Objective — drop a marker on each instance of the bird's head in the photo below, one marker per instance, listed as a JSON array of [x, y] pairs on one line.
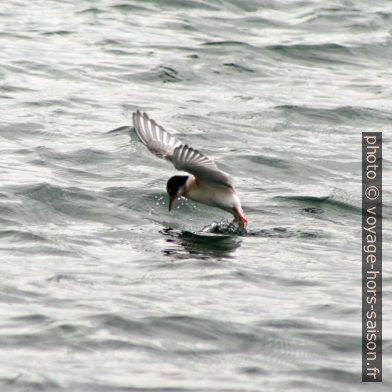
[[175, 188]]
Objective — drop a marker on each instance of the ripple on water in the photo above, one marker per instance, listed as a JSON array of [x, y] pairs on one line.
[[323, 53], [342, 114], [202, 245], [186, 335], [164, 74], [50, 202], [83, 156], [321, 202]]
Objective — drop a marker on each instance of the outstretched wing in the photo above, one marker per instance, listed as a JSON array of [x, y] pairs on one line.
[[154, 137], [184, 158], [188, 159]]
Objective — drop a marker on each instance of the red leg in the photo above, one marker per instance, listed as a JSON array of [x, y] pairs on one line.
[[239, 216]]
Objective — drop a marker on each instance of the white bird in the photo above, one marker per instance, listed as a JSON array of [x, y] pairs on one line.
[[205, 183]]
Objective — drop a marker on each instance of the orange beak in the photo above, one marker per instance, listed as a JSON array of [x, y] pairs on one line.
[[171, 202]]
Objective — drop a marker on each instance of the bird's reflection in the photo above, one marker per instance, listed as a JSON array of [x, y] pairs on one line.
[[182, 244]]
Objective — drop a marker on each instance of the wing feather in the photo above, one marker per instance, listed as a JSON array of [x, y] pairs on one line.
[[154, 137], [186, 158]]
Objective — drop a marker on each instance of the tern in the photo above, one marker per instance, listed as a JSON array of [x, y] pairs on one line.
[[205, 183]]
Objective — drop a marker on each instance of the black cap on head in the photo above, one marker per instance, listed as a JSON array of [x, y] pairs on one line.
[[174, 183]]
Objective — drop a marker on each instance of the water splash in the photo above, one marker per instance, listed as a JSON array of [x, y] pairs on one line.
[[224, 227]]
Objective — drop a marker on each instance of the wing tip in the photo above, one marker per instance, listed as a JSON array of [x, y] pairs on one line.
[[141, 115], [135, 116], [138, 113]]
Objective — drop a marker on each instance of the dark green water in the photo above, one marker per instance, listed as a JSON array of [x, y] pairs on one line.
[[102, 289]]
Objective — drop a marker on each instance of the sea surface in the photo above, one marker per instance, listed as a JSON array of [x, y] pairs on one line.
[[101, 288]]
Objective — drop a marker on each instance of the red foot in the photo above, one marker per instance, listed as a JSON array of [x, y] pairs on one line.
[[239, 216]]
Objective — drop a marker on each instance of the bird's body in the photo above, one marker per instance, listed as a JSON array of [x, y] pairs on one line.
[[220, 196], [205, 183]]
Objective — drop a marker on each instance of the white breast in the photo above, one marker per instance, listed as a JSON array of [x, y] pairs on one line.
[[219, 196]]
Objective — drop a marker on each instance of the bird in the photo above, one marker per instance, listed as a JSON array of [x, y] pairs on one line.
[[203, 183]]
